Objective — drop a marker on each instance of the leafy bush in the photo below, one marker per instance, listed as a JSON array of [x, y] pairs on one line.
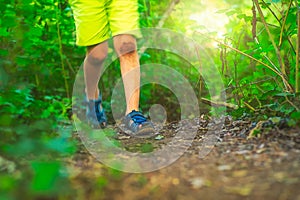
[[35, 135]]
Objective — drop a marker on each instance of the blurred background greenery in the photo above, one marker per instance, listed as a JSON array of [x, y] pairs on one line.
[[254, 44]]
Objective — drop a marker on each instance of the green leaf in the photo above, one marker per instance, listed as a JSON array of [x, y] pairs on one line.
[[159, 137], [4, 33], [9, 21], [6, 119], [45, 175], [102, 182], [35, 32], [146, 148], [3, 52], [296, 116], [23, 61]]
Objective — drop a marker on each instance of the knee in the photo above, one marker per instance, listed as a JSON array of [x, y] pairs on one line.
[[96, 56], [126, 48], [125, 44]]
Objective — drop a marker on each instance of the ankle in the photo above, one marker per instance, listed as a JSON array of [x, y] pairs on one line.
[[91, 96], [130, 110]]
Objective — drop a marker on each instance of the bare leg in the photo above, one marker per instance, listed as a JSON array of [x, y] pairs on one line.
[[125, 46], [92, 67]]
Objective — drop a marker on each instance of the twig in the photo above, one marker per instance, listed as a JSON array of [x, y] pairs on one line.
[[249, 106], [292, 104], [284, 22], [37, 81], [259, 102], [219, 104], [222, 60], [254, 21], [200, 69], [265, 56], [253, 83], [265, 4], [275, 6], [61, 49], [70, 66]]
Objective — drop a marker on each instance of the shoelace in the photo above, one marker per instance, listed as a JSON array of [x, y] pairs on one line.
[[137, 117]]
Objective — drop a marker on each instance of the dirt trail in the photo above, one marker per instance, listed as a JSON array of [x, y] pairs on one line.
[[267, 167]]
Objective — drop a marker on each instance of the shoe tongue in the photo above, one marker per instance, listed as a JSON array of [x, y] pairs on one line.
[[134, 113], [138, 117]]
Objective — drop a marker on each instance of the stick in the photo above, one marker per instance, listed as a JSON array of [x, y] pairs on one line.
[[284, 22], [219, 104]]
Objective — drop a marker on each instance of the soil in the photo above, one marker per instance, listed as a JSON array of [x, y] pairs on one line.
[[241, 165]]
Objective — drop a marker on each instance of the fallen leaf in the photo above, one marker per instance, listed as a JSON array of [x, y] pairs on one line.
[[197, 182], [242, 190], [159, 137], [240, 173], [175, 181], [224, 167]]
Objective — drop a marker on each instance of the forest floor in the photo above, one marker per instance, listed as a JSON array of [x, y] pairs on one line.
[[238, 166]]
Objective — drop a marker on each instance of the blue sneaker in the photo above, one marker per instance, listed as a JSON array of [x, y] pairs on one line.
[[95, 113], [138, 124]]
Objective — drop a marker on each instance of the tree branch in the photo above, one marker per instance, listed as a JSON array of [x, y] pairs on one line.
[[167, 13], [284, 22]]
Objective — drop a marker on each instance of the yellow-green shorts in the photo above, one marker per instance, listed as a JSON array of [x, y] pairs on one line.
[[98, 20]]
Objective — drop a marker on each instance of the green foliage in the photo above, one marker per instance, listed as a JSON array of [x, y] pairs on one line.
[[257, 57], [34, 124], [45, 176], [33, 131], [34, 38], [151, 11], [39, 61]]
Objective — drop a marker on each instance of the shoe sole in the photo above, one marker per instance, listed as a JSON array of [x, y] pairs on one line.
[[144, 132], [101, 125]]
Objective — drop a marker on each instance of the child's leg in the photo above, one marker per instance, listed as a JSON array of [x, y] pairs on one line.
[[92, 66], [125, 46]]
